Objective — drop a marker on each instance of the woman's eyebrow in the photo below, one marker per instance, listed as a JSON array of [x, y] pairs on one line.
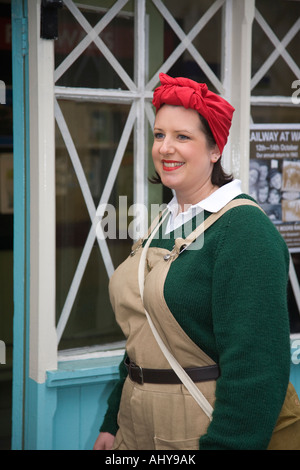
[[185, 131], [176, 131]]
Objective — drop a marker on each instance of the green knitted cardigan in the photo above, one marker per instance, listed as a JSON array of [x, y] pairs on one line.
[[230, 297]]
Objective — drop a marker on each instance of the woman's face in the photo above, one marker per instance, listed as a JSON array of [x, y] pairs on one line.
[[180, 151]]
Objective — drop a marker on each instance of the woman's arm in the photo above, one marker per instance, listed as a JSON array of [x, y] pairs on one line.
[[251, 327], [109, 424]]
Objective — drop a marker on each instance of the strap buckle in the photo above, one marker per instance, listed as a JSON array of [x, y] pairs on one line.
[[135, 372]]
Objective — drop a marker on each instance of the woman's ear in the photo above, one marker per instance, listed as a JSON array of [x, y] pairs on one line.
[[215, 154]]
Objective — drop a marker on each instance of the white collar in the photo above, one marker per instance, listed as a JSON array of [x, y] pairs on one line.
[[213, 203]]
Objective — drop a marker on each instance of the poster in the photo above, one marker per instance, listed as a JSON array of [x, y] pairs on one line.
[[274, 176]]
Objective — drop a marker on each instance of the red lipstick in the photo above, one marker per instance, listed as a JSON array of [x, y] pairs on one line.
[[171, 165]]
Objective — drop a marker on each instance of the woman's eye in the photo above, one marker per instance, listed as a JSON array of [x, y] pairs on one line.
[[183, 137], [158, 135]]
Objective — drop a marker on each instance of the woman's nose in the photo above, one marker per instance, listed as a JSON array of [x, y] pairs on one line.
[[166, 147]]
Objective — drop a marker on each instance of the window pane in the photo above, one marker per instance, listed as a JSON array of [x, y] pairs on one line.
[[91, 68], [279, 18], [96, 130], [187, 14], [275, 114]]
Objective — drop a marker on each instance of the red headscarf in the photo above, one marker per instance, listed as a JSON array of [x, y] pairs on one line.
[[190, 94]]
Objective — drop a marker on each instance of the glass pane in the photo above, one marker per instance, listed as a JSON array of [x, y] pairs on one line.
[[92, 320], [275, 114], [280, 17], [187, 14], [96, 130], [91, 68]]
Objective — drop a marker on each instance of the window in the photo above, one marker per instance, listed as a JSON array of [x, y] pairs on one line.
[[107, 60], [275, 75]]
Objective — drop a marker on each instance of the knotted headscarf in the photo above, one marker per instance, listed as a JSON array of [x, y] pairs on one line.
[[190, 94]]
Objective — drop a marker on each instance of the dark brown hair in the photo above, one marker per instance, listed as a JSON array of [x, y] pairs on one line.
[[218, 176]]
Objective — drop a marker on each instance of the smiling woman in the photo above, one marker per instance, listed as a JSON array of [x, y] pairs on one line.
[[208, 301]]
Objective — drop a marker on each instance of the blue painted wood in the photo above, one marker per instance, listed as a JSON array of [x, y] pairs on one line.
[[41, 406], [83, 371], [83, 388], [67, 410], [20, 143], [67, 419], [92, 417], [80, 411]]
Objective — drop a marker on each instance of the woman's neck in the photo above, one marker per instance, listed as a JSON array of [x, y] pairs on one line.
[[185, 199]]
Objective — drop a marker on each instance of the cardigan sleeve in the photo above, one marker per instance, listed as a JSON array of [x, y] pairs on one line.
[[109, 423], [251, 327]]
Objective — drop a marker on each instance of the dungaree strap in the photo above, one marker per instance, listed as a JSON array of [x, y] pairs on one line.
[[212, 219]]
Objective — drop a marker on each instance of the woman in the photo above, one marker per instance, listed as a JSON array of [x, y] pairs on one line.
[[219, 307]]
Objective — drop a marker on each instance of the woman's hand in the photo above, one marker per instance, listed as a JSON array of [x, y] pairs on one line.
[[104, 441]]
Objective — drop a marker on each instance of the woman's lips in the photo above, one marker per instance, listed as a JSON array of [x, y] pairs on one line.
[[171, 165]]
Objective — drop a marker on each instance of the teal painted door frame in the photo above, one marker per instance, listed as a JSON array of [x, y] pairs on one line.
[[21, 212]]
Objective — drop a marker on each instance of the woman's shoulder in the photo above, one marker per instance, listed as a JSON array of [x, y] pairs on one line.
[[242, 211], [245, 198], [252, 225], [249, 210]]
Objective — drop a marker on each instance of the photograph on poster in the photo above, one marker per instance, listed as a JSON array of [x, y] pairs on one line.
[[274, 176]]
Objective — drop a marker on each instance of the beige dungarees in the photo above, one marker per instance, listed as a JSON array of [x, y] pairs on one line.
[[155, 416]]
